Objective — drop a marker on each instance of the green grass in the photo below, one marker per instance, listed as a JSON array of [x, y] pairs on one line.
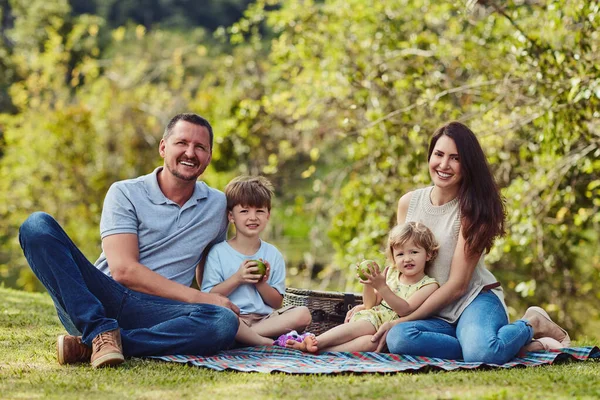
[[28, 370]]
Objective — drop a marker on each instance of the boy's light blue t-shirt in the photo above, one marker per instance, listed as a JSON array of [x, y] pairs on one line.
[[223, 261], [171, 238]]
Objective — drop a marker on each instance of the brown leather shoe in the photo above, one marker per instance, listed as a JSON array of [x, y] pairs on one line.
[[543, 326], [107, 349], [70, 350]]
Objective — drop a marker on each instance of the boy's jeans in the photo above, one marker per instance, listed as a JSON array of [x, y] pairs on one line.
[[88, 302], [481, 334]]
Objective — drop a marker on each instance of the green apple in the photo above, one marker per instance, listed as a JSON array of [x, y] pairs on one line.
[[363, 268], [262, 268]]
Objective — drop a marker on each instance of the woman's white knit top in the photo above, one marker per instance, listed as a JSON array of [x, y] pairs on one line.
[[444, 222]]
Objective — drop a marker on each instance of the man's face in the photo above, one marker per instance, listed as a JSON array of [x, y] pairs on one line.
[[186, 151]]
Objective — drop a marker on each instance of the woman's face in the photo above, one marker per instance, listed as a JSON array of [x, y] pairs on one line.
[[444, 164]]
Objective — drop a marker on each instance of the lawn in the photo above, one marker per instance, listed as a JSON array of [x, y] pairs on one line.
[[28, 370]]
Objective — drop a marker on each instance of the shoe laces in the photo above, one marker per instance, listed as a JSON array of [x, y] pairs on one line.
[[105, 339]]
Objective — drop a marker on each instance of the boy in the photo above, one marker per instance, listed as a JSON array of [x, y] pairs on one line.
[[232, 269]]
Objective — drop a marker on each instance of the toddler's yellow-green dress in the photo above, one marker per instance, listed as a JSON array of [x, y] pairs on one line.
[[383, 313]]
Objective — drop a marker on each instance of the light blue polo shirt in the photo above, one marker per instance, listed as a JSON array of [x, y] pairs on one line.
[[223, 261], [171, 238]]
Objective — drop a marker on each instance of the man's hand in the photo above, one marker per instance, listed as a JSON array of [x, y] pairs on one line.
[[246, 274], [218, 300], [353, 311]]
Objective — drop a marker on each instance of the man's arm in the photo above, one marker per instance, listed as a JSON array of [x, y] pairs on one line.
[[122, 255]]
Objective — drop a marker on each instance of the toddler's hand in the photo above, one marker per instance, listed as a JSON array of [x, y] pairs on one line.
[[353, 311], [377, 278], [374, 276]]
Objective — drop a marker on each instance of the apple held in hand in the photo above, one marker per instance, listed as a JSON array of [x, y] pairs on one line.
[[262, 268], [363, 268]]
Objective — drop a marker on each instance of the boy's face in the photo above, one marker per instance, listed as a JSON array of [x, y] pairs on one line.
[[410, 259], [249, 221]]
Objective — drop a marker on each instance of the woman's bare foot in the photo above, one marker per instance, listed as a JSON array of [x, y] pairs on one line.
[[308, 345]]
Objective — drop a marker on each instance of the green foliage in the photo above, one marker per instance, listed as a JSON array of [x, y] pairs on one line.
[[367, 84], [84, 122], [174, 14]]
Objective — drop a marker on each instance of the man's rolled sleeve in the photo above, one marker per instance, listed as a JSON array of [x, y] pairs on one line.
[[213, 272], [118, 214]]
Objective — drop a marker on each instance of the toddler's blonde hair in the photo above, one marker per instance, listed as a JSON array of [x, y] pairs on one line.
[[420, 234]]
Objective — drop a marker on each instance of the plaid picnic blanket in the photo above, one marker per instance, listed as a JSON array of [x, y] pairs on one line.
[[280, 359]]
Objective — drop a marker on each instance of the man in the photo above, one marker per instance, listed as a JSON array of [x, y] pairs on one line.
[[137, 300]]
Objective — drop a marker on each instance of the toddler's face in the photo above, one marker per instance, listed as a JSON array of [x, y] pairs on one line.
[[410, 259]]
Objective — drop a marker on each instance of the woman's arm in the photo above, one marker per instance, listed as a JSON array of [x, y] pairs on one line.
[[461, 271], [404, 307], [403, 204]]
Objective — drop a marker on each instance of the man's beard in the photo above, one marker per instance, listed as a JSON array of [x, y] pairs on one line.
[[179, 175]]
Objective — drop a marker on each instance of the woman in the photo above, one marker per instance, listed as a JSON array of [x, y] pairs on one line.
[[466, 318]]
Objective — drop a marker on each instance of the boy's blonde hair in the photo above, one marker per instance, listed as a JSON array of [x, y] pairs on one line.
[[420, 234], [249, 191]]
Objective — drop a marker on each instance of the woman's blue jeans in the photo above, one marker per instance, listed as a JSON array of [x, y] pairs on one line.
[[481, 334], [88, 302]]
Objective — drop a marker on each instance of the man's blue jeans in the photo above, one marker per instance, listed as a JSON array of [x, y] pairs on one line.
[[481, 334], [89, 302]]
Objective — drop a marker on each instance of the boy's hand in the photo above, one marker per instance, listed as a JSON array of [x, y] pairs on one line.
[[246, 273], [265, 278], [375, 277], [267, 271]]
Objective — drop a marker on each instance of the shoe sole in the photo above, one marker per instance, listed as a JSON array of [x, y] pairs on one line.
[[566, 341], [60, 349], [108, 360]]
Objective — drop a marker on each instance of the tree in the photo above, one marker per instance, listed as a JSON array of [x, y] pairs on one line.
[[366, 84]]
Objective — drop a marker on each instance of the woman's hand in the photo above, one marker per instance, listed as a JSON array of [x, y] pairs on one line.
[[353, 311], [380, 336]]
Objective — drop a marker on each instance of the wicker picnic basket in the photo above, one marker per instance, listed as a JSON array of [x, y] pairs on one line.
[[328, 309]]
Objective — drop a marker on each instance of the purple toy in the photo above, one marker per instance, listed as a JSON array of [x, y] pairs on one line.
[[292, 335]]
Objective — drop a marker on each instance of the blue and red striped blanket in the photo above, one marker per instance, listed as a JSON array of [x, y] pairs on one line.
[[279, 359]]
